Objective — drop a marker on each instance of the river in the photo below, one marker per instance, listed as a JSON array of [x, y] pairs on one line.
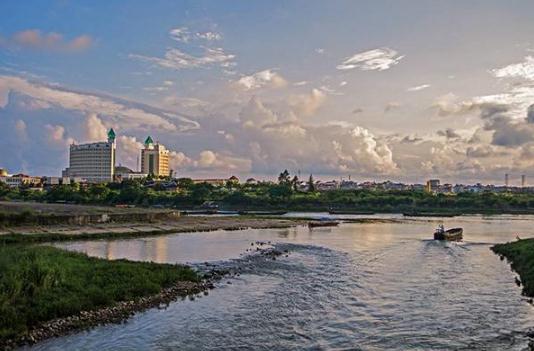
[[359, 286]]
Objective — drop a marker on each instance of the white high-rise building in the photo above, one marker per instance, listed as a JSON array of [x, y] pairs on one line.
[[93, 162], [155, 159]]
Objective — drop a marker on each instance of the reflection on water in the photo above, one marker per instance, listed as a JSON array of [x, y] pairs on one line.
[[369, 286]]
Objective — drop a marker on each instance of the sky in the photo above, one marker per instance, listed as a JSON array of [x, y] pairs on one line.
[[376, 90]]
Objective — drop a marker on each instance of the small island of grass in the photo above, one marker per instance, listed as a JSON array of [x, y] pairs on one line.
[[45, 291]]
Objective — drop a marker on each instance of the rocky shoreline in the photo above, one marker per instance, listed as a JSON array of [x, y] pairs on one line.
[[113, 314], [122, 311]]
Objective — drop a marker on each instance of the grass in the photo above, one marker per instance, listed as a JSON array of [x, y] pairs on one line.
[[520, 254], [40, 283]]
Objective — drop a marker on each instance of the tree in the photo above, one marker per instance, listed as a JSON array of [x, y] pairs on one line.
[[311, 184], [295, 183], [185, 183], [284, 178]]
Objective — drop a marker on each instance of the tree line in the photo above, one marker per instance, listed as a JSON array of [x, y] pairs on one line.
[[284, 194]]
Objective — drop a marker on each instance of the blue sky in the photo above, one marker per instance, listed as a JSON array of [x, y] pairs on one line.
[[377, 89]]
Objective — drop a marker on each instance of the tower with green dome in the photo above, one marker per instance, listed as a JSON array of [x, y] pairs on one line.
[[111, 135]]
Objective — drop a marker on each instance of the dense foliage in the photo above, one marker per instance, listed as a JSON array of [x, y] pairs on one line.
[[40, 283], [183, 193], [521, 256]]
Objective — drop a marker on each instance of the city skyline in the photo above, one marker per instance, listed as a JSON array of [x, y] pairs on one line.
[[405, 92]]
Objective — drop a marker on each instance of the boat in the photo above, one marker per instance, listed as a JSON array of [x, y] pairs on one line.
[[323, 222], [262, 213], [199, 212], [454, 234], [350, 212]]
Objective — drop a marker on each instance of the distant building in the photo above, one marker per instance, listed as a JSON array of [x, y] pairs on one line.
[[155, 159], [326, 186], [217, 181], [125, 173], [3, 172], [18, 180], [432, 185], [94, 162]]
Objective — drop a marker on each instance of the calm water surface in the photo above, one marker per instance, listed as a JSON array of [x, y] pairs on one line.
[[372, 286]]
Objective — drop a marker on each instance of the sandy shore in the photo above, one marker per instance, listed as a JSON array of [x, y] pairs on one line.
[[125, 230]]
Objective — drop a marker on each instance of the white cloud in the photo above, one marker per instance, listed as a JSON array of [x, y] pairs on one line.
[[377, 59], [210, 160], [320, 51], [176, 59], [180, 34], [265, 78], [57, 136], [133, 115], [418, 87], [128, 151], [307, 104], [209, 36], [95, 130], [184, 35], [523, 70]]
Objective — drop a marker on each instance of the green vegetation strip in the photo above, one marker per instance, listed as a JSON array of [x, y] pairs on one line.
[[40, 283], [520, 254], [284, 196]]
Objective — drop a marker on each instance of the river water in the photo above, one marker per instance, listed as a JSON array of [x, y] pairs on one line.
[[359, 286]]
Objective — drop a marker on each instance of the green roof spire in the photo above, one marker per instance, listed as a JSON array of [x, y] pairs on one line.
[[111, 134], [149, 140]]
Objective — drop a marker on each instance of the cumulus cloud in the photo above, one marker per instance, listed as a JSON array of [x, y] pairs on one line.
[[35, 39], [56, 135], [448, 133], [265, 78], [128, 151], [255, 114], [418, 87], [274, 141], [450, 104], [373, 60], [95, 130], [524, 70], [307, 104]]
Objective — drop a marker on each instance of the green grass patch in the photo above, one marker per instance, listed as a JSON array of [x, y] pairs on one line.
[[40, 283], [520, 254]]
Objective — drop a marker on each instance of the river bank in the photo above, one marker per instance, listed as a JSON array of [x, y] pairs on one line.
[[520, 254], [47, 291], [92, 291]]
